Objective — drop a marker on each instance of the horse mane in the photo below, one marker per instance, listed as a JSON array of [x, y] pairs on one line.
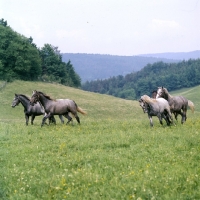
[[147, 99], [24, 96], [47, 96], [166, 91]]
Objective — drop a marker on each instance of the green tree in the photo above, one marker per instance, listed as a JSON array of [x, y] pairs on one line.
[[53, 69], [19, 59], [170, 75]]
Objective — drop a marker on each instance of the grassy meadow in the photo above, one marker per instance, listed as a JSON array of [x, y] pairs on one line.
[[113, 154]]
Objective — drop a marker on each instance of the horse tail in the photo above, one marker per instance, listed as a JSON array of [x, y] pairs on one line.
[[191, 105], [81, 111]]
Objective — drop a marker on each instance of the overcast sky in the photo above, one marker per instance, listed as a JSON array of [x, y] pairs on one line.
[[116, 27]]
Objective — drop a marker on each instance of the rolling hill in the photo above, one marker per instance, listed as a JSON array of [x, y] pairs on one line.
[[98, 106], [97, 66]]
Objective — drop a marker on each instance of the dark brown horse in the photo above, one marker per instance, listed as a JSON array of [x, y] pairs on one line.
[[178, 104]]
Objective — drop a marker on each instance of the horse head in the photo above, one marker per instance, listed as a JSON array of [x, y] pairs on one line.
[[160, 92], [163, 92], [143, 105], [16, 101], [34, 98]]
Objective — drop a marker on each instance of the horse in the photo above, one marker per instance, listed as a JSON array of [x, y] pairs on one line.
[[154, 94], [56, 107], [30, 110], [178, 104], [156, 107]]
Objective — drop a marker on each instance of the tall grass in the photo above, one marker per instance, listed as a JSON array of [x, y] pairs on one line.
[[113, 154]]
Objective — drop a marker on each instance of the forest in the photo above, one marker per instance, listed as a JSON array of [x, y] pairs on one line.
[[173, 76], [21, 59]]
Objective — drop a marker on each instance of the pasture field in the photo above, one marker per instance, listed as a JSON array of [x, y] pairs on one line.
[[113, 154]]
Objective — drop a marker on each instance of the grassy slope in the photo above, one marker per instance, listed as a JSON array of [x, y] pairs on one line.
[[98, 106], [114, 154]]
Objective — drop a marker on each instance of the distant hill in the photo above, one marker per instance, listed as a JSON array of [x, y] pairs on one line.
[[173, 76], [96, 66], [175, 56]]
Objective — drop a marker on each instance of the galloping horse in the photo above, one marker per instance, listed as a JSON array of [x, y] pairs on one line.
[[154, 94], [178, 104], [156, 107], [56, 107], [30, 110]]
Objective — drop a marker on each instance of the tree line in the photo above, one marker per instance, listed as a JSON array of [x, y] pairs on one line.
[[21, 59], [173, 76]]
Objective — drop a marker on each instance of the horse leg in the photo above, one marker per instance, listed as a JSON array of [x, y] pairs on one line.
[[151, 121], [77, 118], [52, 120], [68, 117], [45, 117], [184, 117], [170, 117], [61, 119], [32, 119], [27, 119], [166, 117], [176, 115], [160, 118]]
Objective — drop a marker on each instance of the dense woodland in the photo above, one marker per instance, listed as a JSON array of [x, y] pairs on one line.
[[21, 59], [173, 76]]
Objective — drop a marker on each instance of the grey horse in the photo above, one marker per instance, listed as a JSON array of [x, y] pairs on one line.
[[156, 107], [29, 110], [56, 107], [178, 104]]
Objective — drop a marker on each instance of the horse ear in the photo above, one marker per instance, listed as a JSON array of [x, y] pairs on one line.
[[162, 87], [16, 95]]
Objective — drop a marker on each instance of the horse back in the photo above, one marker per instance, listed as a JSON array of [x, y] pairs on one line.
[[61, 106], [158, 106], [179, 102]]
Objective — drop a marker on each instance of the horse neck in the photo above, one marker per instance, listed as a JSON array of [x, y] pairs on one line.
[[25, 102], [44, 100], [167, 96]]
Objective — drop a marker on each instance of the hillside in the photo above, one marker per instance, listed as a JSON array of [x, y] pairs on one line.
[[98, 106], [96, 66], [174, 76]]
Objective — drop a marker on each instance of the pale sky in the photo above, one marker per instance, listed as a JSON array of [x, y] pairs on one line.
[[116, 27]]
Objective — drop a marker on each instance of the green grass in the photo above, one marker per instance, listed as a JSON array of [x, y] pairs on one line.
[[113, 154]]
